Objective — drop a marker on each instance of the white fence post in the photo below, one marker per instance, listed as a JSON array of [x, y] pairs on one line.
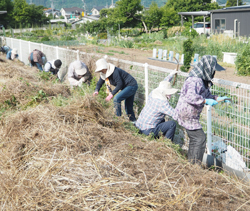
[[209, 130], [42, 47], [154, 53], [160, 54], [146, 81], [29, 47], [78, 55], [20, 55], [182, 59], [57, 53]]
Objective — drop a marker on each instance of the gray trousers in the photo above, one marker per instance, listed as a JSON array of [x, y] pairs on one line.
[[197, 145]]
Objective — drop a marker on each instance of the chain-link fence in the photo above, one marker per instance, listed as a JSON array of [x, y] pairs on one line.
[[230, 122]]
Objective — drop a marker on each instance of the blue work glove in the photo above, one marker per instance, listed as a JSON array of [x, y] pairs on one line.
[[211, 102], [222, 98]]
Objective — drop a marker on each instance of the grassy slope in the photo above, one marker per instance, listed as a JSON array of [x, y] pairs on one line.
[[67, 151]]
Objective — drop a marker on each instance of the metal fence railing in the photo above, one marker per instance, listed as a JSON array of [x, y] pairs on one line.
[[230, 122]]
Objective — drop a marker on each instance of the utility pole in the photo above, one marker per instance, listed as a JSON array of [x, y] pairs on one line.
[[52, 7], [84, 7], [31, 2]]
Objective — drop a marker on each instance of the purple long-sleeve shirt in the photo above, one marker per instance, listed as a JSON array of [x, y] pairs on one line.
[[191, 103]]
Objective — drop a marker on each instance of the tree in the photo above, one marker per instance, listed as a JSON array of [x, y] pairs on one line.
[[28, 14], [172, 7], [169, 17], [151, 18], [6, 5], [126, 11], [231, 3]]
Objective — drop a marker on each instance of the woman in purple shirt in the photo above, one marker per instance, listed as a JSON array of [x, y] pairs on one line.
[[195, 94]]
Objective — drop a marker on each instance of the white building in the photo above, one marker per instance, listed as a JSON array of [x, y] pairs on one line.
[[96, 10], [56, 13], [85, 19], [71, 12]]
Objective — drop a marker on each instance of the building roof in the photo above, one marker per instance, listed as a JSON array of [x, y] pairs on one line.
[[91, 17], [98, 8], [233, 9], [73, 9], [195, 13], [50, 11]]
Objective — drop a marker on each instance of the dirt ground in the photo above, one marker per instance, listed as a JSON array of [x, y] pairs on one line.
[[142, 56]]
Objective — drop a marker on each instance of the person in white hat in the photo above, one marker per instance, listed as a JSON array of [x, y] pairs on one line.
[[4, 49], [78, 73], [152, 117], [123, 82], [12, 54]]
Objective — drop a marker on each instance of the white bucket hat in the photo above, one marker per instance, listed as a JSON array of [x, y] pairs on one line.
[[80, 68], [163, 89], [102, 64], [13, 53]]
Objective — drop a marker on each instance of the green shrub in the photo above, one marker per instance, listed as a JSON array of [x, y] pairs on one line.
[[188, 52], [189, 32], [102, 35], [126, 44], [66, 37], [125, 32], [243, 62], [45, 38], [165, 33], [135, 32]]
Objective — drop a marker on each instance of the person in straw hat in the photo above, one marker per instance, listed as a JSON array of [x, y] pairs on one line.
[[194, 95], [12, 54], [4, 49], [78, 73], [123, 82], [152, 117]]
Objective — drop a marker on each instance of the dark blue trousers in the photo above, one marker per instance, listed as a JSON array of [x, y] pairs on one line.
[[127, 94], [165, 128]]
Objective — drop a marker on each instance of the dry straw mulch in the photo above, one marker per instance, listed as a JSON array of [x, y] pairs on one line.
[[79, 157], [20, 85]]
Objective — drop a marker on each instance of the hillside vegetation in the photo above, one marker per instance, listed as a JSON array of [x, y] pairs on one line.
[[64, 149], [89, 3]]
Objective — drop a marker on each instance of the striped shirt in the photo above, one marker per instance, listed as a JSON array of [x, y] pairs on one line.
[[153, 113]]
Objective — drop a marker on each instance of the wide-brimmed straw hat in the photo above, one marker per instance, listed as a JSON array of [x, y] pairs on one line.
[[163, 90], [102, 64], [14, 51], [80, 68]]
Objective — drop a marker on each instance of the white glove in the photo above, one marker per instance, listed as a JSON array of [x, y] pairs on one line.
[[173, 72], [82, 80]]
